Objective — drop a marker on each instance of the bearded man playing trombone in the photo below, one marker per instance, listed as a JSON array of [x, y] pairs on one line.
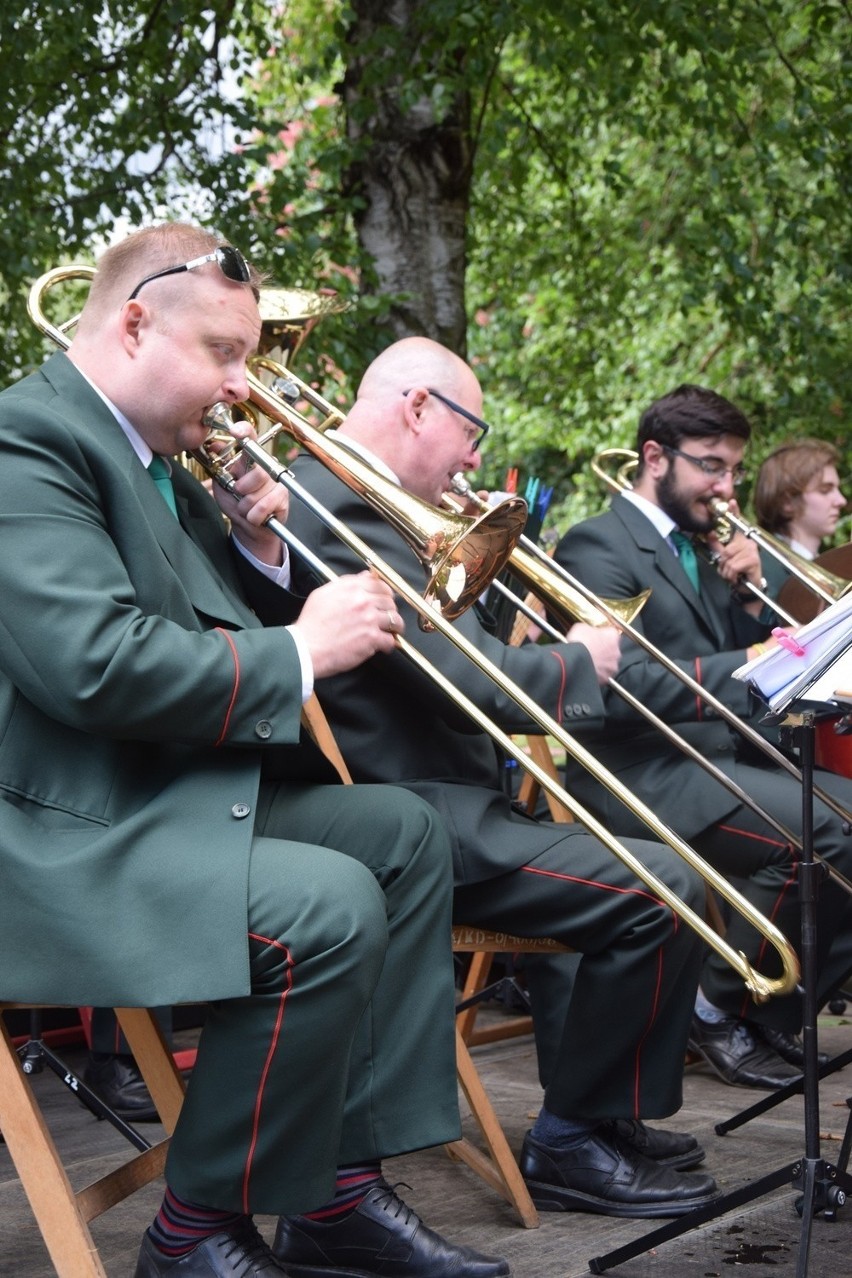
[[417, 419], [660, 535]]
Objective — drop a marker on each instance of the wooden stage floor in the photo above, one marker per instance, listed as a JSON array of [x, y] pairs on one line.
[[760, 1240]]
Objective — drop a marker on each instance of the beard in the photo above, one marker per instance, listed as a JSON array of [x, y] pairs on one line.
[[670, 500]]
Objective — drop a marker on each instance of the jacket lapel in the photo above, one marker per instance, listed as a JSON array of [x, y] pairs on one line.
[[660, 559], [204, 569]]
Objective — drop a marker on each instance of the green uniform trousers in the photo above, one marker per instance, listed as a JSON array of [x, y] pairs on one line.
[[344, 1050]]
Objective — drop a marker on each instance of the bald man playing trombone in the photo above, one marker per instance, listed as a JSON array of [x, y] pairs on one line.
[[417, 419]]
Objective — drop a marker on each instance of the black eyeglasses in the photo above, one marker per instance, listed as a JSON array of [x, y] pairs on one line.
[[474, 437], [713, 469], [231, 263]]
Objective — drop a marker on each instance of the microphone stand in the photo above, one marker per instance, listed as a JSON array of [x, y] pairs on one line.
[[824, 1187]]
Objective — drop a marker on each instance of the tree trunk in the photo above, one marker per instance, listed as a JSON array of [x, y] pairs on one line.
[[412, 171]]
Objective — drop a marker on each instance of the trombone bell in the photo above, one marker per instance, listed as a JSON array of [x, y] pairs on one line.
[[287, 317]]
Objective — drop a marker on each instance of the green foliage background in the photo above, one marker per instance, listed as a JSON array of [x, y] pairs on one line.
[[661, 190]]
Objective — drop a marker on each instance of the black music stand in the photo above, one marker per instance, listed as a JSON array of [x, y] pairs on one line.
[[824, 1186], [34, 1055]]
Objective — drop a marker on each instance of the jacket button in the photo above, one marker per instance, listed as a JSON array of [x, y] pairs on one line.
[[263, 729], [240, 810], [568, 712]]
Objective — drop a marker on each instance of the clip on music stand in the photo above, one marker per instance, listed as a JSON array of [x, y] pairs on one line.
[[824, 1186]]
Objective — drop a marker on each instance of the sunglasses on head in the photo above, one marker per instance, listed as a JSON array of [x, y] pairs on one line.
[[230, 261]]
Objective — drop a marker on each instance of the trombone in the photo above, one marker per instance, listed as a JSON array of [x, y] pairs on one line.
[[745, 729], [329, 453], [460, 554], [827, 586], [565, 595]]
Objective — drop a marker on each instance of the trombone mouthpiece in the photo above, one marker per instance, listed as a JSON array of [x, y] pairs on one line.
[[219, 417], [460, 486]]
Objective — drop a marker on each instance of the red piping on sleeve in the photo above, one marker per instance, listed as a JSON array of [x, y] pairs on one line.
[[227, 720], [562, 685], [699, 704]]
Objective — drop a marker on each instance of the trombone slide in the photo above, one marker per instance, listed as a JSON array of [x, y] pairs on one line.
[[759, 986]]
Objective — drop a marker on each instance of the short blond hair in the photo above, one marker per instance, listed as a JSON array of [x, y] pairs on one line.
[[144, 252]]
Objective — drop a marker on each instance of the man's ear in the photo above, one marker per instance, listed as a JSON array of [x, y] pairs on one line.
[[652, 454], [413, 405], [132, 323]]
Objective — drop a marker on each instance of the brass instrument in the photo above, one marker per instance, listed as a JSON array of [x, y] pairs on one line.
[[628, 460], [801, 602], [827, 586], [288, 315], [553, 585], [363, 480], [460, 554], [617, 484]]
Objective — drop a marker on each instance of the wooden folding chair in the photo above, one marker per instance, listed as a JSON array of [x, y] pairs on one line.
[[62, 1213], [481, 961], [498, 1166]]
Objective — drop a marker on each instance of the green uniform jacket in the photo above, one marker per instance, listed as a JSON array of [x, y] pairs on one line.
[[618, 554], [139, 695], [393, 723]]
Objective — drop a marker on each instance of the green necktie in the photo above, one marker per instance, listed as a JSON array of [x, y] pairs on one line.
[[158, 469], [688, 560]]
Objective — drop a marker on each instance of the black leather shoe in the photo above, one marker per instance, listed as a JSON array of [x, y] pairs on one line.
[[240, 1253], [671, 1149], [788, 1046], [605, 1176], [730, 1048], [120, 1085], [381, 1236]]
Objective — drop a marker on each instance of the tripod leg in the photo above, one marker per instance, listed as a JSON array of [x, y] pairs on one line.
[[34, 1055], [807, 1212], [843, 1157]]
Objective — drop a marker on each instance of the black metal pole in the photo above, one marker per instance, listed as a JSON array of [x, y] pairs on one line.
[[824, 1187]]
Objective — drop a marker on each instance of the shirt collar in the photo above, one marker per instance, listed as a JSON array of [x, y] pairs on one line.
[[663, 523], [799, 549], [137, 443], [364, 453]]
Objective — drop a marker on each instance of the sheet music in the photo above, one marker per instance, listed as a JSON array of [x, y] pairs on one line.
[[836, 679], [814, 665]]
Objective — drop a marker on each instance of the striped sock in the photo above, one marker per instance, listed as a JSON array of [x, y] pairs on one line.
[[180, 1226], [354, 1182]]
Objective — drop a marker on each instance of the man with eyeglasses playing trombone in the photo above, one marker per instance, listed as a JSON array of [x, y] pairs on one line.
[[660, 533], [166, 833], [417, 420]]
